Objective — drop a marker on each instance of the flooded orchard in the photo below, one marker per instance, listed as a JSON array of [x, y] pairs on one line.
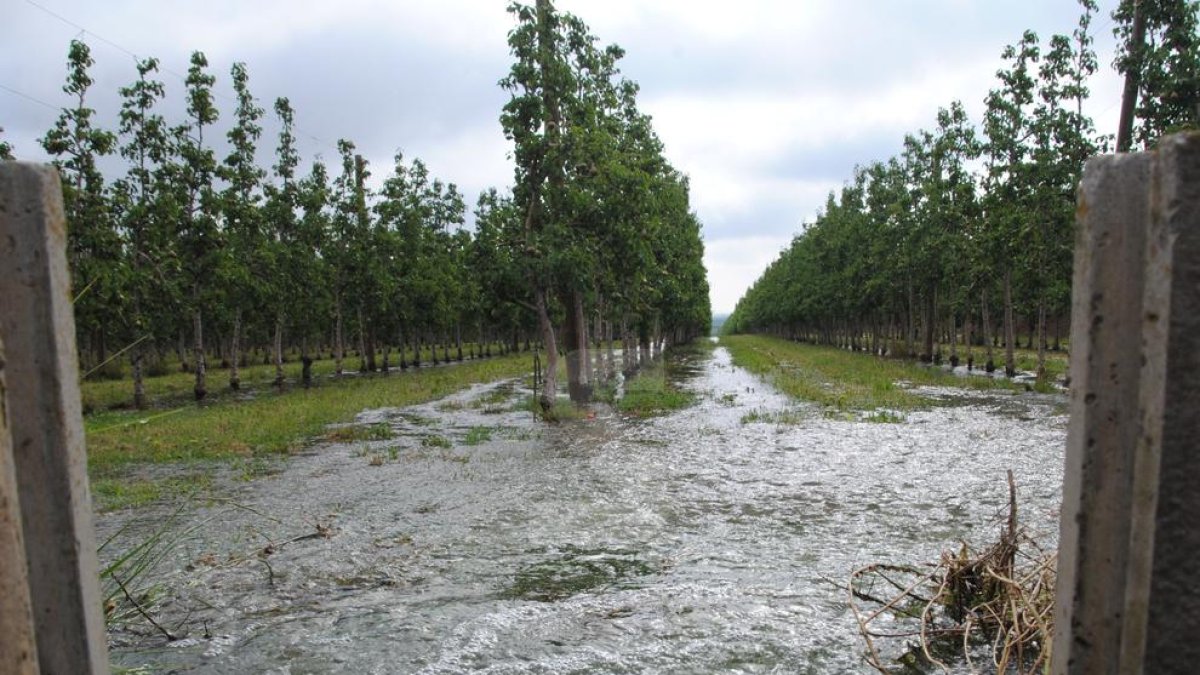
[[469, 537]]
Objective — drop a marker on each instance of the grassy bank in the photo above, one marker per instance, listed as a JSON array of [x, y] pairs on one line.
[[843, 380], [249, 430]]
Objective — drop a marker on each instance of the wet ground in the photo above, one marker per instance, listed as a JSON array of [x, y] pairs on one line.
[[712, 539]]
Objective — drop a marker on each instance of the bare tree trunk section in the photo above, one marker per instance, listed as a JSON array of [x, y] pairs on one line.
[[235, 346], [339, 344], [279, 378], [136, 359], [953, 340], [969, 339], [1133, 80], [990, 364], [1010, 329], [200, 390], [576, 339], [550, 373], [305, 364], [1041, 340]]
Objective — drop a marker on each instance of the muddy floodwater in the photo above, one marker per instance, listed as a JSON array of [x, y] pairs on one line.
[[712, 539]]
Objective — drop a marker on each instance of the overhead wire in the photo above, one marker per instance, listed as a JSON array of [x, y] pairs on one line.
[[323, 143]]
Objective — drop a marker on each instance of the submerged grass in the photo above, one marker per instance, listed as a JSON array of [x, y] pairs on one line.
[[477, 435], [651, 392], [269, 424], [843, 380]]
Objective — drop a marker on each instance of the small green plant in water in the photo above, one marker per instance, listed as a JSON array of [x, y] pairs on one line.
[[436, 441], [755, 415], [477, 435], [250, 468], [359, 432]]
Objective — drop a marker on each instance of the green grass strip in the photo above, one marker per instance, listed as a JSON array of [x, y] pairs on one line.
[[843, 380], [272, 423]]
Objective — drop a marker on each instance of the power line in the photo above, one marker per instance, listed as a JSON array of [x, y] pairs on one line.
[[182, 78], [30, 98], [82, 29]]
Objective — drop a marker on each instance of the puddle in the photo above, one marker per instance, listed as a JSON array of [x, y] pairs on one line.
[[694, 541]]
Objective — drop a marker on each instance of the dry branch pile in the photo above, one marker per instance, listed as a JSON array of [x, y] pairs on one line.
[[995, 604]]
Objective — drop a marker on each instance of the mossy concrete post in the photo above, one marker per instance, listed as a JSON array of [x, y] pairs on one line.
[[37, 328], [1127, 599]]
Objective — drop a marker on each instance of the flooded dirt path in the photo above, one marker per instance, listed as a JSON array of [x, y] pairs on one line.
[[474, 540]]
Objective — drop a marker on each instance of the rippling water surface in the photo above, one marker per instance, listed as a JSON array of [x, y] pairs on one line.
[[713, 539]]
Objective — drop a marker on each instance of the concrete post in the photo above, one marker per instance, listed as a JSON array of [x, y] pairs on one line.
[[1127, 599], [1105, 340], [1162, 593], [38, 330], [18, 651]]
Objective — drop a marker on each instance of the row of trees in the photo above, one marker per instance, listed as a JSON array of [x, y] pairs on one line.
[[185, 245], [602, 219], [918, 250]]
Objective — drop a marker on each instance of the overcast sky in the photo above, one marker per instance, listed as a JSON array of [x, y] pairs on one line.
[[766, 105]]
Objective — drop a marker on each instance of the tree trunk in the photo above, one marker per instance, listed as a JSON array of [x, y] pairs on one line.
[[279, 351], [1010, 330], [305, 364], [1136, 46], [362, 341], [575, 339], [139, 381], [910, 327], [458, 340], [235, 346], [181, 352], [200, 390], [401, 346], [550, 375], [990, 365], [371, 348], [611, 359], [930, 324], [953, 340], [969, 339], [339, 344], [1041, 341]]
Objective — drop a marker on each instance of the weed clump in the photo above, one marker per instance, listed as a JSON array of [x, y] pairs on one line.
[[998, 602]]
